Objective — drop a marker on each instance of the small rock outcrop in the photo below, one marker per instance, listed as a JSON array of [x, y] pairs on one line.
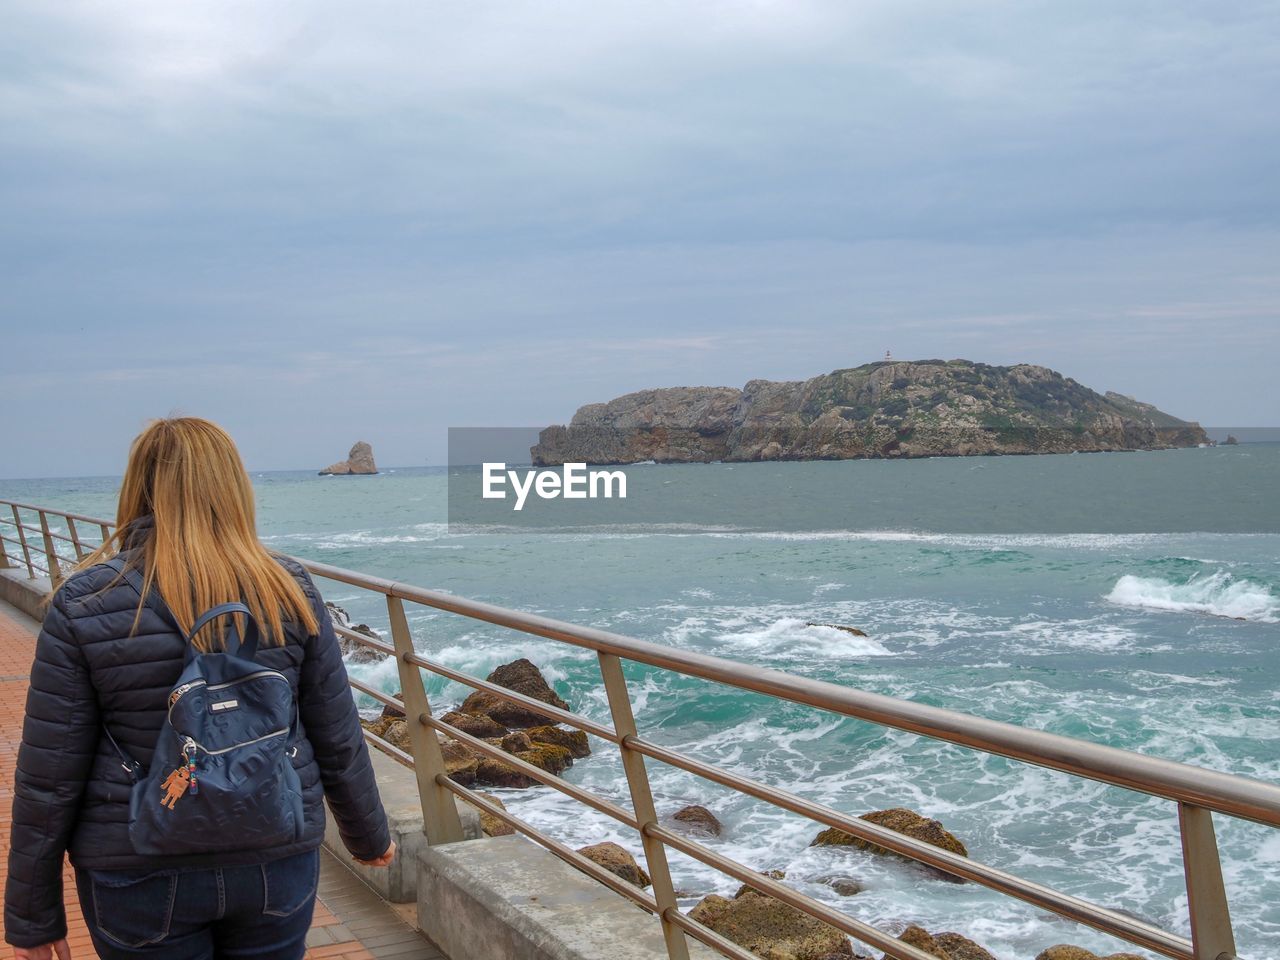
[[697, 819], [1231, 441], [575, 741], [960, 947], [944, 946], [845, 886], [353, 651], [899, 819], [547, 746], [617, 861], [359, 462], [770, 928], [490, 825], [1064, 951], [747, 888], [522, 677], [835, 626], [921, 939], [481, 727]]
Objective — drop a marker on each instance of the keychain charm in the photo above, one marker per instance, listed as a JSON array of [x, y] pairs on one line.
[[175, 785]]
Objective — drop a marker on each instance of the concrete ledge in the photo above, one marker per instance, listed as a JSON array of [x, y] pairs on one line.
[[505, 898], [397, 882], [19, 590]]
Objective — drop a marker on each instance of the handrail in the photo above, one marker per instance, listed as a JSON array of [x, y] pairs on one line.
[[1196, 791], [1223, 792]]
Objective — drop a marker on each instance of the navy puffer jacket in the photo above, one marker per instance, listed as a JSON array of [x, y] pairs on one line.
[[71, 791]]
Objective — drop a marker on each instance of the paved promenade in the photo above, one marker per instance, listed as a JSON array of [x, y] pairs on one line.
[[351, 922]]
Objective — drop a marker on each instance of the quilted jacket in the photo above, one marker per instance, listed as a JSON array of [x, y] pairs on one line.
[[71, 792]]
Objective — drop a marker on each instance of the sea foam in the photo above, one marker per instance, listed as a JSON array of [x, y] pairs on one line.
[[1219, 594]]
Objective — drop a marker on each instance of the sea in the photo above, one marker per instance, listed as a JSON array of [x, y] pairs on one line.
[[1127, 599]]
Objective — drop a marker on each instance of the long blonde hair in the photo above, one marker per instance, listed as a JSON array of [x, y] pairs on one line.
[[203, 548]]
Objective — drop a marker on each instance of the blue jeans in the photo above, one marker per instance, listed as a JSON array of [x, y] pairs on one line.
[[259, 910]]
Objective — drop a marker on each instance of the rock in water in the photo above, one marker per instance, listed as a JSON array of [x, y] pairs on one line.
[[352, 650], [853, 631], [359, 462], [1064, 951], [481, 727], [522, 677], [887, 409], [771, 928], [490, 825], [907, 822], [696, 818], [920, 938], [617, 861], [960, 947]]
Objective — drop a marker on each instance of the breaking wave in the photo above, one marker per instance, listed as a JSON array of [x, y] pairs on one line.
[[1219, 594]]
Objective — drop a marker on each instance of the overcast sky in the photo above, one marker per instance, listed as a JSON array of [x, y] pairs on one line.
[[319, 222]]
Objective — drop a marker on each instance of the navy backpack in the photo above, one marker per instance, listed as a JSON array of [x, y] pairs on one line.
[[222, 775]]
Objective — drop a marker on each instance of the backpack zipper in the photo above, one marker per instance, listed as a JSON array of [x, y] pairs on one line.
[[190, 744], [190, 685]]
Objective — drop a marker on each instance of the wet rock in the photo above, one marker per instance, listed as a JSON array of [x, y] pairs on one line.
[[495, 773], [617, 861], [393, 712], [697, 819], [959, 947], [772, 929], [1064, 951], [516, 742], [575, 741], [921, 939], [747, 888], [460, 764], [835, 626], [845, 886], [899, 819], [491, 825], [544, 756], [481, 727], [522, 677], [352, 651]]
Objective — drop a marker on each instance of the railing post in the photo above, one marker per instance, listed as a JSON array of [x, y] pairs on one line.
[[22, 539], [75, 537], [655, 853], [50, 553], [440, 819], [1211, 934]]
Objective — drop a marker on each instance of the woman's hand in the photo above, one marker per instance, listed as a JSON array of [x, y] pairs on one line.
[[49, 951], [381, 861]]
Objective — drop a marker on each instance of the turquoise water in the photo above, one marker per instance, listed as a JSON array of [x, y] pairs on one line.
[[1131, 600]]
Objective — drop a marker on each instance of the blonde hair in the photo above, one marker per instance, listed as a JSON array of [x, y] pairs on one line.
[[203, 548]]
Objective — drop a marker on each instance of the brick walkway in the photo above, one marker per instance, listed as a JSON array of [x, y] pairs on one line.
[[351, 922]]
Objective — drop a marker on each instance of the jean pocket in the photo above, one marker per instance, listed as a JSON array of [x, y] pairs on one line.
[[290, 883], [133, 907]]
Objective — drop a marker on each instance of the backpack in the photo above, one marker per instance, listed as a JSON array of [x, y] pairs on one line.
[[222, 776]]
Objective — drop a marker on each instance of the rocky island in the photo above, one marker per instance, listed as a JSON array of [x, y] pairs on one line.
[[359, 462], [924, 408]]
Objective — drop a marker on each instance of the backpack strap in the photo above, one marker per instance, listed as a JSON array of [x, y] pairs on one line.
[[248, 647]]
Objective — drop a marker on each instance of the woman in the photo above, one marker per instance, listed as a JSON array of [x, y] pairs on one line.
[[105, 663]]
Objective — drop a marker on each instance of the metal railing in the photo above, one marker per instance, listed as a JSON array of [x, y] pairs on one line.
[[1198, 793]]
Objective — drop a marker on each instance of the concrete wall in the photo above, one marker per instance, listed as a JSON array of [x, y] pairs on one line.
[[505, 898], [25, 594], [399, 790]]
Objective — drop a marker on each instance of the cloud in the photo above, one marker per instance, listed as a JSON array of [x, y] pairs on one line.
[[437, 206]]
